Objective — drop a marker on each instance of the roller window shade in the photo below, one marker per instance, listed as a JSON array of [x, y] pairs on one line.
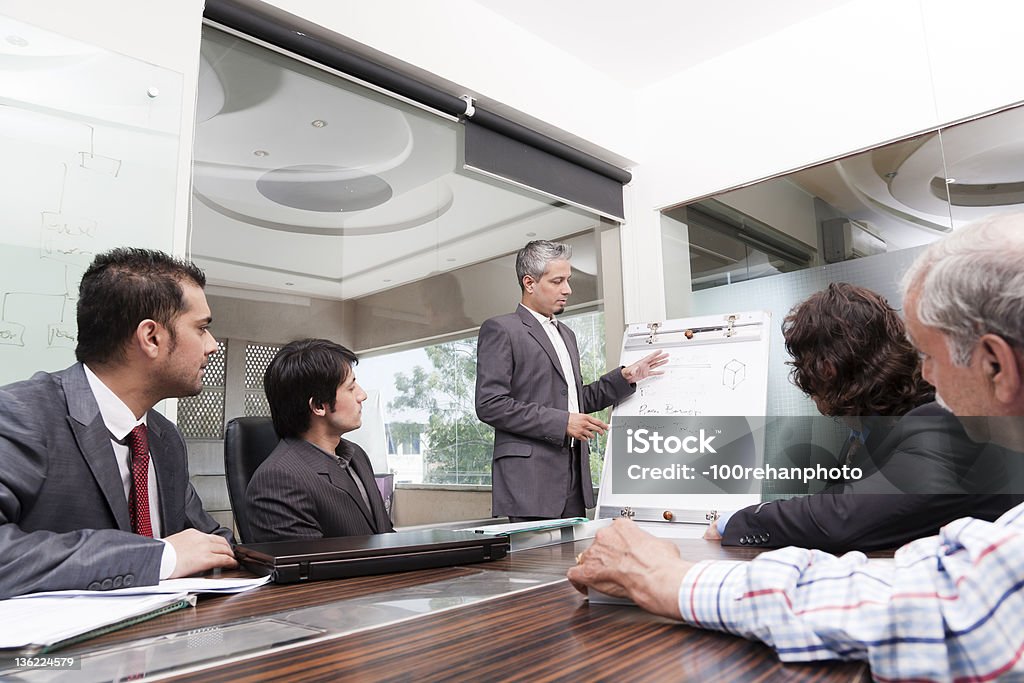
[[498, 155]]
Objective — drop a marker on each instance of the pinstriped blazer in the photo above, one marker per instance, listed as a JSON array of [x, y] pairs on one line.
[[301, 492]]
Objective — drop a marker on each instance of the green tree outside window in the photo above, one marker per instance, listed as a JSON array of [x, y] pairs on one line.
[[457, 446]]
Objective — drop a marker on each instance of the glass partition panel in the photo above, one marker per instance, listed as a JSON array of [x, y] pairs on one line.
[[90, 161], [985, 166], [861, 219], [309, 184], [324, 208], [883, 200]]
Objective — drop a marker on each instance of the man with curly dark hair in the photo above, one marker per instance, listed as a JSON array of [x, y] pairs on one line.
[[851, 356]]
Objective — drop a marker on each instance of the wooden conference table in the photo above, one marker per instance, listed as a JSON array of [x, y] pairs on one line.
[[548, 632]]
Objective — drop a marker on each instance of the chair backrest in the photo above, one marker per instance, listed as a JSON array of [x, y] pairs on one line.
[[248, 441]]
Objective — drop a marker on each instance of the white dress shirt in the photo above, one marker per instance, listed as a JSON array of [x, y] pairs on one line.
[[550, 327], [120, 420]]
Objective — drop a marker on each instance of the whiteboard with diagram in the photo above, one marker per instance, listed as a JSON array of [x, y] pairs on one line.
[[91, 146], [717, 368]]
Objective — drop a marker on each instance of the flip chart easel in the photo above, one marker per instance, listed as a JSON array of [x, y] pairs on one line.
[[718, 367]]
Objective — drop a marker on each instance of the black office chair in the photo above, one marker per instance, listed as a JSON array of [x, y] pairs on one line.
[[248, 441]]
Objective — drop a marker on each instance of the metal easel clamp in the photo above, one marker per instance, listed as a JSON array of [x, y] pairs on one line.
[[653, 336]]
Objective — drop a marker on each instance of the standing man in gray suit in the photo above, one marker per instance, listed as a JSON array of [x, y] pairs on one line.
[[94, 487], [528, 387], [315, 484]]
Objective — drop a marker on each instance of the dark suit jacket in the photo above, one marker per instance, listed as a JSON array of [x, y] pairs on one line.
[[925, 453], [63, 513], [520, 391], [301, 492]]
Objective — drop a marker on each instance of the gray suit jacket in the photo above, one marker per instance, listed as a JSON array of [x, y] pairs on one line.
[[520, 391], [301, 492], [63, 513]]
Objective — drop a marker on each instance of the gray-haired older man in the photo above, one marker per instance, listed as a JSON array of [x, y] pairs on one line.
[[951, 607], [528, 387]]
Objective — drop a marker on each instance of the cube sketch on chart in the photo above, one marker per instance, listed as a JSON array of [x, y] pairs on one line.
[[733, 373]]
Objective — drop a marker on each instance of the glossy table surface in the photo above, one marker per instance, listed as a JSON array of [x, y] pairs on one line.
[[510, 619]]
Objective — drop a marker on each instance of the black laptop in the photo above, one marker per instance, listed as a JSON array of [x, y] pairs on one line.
[[338, 558]]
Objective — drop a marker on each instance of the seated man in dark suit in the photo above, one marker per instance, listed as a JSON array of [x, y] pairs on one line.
[[315, 484], [94, 487], [852, 357]]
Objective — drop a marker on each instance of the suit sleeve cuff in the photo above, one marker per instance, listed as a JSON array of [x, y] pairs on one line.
[[708, 593], [168, 561]]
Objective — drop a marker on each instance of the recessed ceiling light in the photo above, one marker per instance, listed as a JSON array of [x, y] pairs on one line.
[[261, 153], [318, 123], [387, 279], [890, 174], [17, 41], [531, 234], [450, 260], [289, 284]]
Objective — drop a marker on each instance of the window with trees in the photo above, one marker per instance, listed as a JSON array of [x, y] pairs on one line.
[[432, 404]]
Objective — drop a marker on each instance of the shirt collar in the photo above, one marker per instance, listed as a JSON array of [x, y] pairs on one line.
[[343, 458], [541, 319], [861, 434], [118, 417]]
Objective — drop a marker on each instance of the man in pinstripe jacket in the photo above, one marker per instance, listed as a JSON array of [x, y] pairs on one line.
[[315, 484]]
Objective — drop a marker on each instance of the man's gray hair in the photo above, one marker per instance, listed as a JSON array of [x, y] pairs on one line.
[[533, 259], [972, 283]]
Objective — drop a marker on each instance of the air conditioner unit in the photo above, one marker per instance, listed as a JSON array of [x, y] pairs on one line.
[[844, 239]]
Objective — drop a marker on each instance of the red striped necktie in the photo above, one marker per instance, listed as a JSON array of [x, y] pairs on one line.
[[138, 499]]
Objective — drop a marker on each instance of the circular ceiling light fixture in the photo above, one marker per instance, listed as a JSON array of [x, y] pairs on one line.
[[315, 187]]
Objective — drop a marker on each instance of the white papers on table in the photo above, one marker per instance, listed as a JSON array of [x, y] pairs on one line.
[[168, 586], [44, 621]]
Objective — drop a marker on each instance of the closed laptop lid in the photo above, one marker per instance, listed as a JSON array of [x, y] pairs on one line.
[[346, 547], [323, 558]]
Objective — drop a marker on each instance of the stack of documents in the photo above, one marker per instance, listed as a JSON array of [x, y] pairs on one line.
[[43, 622]]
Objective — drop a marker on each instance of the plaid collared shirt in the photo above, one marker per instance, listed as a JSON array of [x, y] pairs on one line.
[[945, 608]]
